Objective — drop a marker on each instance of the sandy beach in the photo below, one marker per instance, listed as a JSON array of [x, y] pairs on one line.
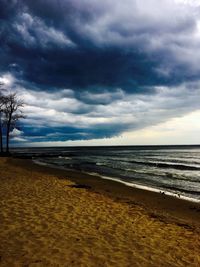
[[57, 218]]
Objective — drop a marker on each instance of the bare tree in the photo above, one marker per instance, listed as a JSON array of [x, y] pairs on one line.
[[12, 114]]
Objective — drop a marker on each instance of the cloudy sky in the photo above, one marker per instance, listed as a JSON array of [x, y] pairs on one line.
[[103, 72]]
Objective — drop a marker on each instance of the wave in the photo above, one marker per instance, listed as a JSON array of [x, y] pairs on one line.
[[183, 190], [148, 188], [180, 177], [167, 165], [158, 164], [173, 160]]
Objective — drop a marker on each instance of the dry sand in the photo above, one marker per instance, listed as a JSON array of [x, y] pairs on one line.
[[46, 222]]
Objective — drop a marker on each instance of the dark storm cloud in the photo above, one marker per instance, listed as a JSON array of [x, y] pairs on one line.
[[91, 44], [8, 8], [46, 134], [103, 52]]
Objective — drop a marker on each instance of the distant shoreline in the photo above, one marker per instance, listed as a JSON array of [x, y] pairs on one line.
[[116, 146]]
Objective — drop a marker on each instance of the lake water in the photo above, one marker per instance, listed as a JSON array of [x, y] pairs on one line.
[[171, 169]]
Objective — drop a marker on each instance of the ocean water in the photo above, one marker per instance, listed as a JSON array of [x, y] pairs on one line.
[[174, 170]]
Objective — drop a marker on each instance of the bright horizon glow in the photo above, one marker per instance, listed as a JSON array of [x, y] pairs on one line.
[[172, 132]]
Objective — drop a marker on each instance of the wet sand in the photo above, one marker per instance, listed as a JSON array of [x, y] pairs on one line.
[[50, 217]]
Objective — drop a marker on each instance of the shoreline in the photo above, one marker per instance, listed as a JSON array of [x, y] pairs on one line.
[[174, 208], [133, 185], [52, 217]]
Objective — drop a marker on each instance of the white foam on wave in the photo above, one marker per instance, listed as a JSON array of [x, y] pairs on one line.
[[40, 162], [61, 157], [100, 164], [147, 188]]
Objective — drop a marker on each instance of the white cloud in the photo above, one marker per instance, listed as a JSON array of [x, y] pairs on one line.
[[7, 79], [17, 136], [19, 139], [16, 132], [189, 2]]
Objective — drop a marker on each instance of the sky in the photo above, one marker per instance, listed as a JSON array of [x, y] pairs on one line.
[[103, 72]]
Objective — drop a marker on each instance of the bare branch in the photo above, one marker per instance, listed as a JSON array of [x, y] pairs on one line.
[[12, 110]]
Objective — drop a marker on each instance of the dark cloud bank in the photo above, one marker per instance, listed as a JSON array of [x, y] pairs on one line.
[[93, 69]]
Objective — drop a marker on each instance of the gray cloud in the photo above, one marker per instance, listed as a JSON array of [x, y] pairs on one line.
[[53, 117], [97, 68]]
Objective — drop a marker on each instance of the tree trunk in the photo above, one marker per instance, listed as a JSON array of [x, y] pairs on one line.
[[7, 140], [1, 140], [8, 136], [1, 136]]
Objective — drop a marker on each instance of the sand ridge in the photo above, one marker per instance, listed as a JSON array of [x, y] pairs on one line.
[[46, 222]]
